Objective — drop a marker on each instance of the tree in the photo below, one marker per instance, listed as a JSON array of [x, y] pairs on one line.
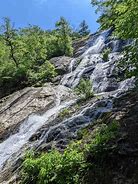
[[35, 49], [64, 38], [83, 29], [122, 15], [9, 35], [23, 57]]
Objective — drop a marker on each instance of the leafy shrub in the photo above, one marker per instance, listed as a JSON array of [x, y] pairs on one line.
[[43, 73], [84, 89], [64, 113], [98, 146], [53, 168], [10, 76], [72, 165], [129, 62], [105, 54]]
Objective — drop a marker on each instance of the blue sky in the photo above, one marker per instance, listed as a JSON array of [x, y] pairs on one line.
[[45, 13]]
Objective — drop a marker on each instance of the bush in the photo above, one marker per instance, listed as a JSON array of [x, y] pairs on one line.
[[64, 113], [129, 62], [43, 73], [71, 166], [10, 76], [53, 168], [84, 89], [105, 54], [99, 147]]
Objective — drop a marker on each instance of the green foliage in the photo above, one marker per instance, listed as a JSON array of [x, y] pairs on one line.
[[129, 62], [84, 89], [42, 73], [9, 38], [105, 54], [122, 16], [64, 113], [53, 167], [83, 29], [72, 165], [24, 54], [98, 146], [64, 38], [75, 35], [10, 76]]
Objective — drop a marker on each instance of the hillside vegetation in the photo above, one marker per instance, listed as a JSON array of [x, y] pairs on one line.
[[25, 53], [101, 144], [94, 147]]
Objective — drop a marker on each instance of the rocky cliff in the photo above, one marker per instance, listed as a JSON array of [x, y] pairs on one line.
[[31, 118]]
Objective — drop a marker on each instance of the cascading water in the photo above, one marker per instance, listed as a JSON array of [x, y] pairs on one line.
[[103, 74], [88, 59], [68, 128], [104, 79], [34, 122]]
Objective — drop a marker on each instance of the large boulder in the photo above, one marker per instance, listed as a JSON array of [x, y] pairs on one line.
[[61, 64]]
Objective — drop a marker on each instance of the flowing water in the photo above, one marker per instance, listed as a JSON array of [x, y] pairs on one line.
[[104, 78], [103, 74], [15, 142], [68, 128]]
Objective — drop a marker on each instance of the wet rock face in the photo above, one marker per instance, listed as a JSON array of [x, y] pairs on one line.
[[62, 67], [91, 64], [68, 129], [43, 105], [104, 40], [104, 77], [18, 106], [28, 118]]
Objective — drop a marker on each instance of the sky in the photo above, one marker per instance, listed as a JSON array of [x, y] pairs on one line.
[[45, 13]]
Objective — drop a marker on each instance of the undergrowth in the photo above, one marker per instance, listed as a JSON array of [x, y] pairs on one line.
[[84, 89], [71, 166]]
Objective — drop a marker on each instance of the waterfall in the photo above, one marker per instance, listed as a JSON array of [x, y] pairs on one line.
[[33, 123], [104, 78]]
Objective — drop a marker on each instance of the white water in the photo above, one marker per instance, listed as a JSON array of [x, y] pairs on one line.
[[71, 65], [70, 126], [103, 75], [90, 58], [15, 142]]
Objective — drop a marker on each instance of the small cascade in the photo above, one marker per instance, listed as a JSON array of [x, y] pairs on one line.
[[33, 123], [68, 128], [71, 66], [88, 60], [103, 75]]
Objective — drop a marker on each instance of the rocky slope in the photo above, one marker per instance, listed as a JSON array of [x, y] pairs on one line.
[[30, 118]]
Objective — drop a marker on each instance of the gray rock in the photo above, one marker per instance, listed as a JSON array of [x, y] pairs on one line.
[[61, 64], [26, 117]]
